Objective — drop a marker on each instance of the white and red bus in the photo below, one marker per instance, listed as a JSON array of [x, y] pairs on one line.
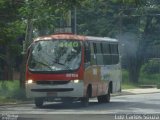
[[74, 67]]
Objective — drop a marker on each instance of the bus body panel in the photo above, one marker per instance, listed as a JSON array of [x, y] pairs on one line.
[[92, 76], [112, 73], [78, 88], [34, 90], [100, 77]]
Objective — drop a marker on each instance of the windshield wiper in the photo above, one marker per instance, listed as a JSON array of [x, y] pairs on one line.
[[55, 61], [44, 64]]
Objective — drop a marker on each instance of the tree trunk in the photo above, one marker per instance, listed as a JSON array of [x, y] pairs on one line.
[[22, 73], [8, 68], [134, 73], [134, 66], [28, 40]]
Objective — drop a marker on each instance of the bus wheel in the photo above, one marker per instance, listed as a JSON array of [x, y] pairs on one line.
[[38, 102], [108, 96], [85, 100], [104, 98]]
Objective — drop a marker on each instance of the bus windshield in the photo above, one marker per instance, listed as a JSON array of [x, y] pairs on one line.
[[55, 55]]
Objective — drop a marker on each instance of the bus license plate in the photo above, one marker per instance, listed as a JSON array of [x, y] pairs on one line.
[[51, 94]]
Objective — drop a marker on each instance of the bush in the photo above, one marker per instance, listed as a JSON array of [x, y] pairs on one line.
[[150, 72], [151, 67], [11, 90], [158, 86]]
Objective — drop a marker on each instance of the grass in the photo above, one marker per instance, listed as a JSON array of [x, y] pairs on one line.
[[129, 86], [10, 91], [126, 84], [144, 79], [149, 79]]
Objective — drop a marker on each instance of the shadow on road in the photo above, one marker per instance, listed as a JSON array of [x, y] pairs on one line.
[[112, 106], [75, 105]]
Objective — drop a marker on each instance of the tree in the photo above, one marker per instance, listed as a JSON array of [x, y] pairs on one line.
[[144, 20], [11, 28], [135, 23], [42, 17], [113, 18]]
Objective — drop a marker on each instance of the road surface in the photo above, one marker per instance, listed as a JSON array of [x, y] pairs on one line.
[[120, 108]]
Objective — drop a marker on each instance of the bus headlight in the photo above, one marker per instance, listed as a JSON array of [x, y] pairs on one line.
[[75, 81], [30, 81]]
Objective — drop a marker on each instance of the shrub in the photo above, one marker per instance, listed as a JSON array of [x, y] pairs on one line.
[[11, 90], [151, 67]]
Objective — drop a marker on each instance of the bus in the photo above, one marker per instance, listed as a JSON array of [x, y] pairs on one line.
[[70, 67]]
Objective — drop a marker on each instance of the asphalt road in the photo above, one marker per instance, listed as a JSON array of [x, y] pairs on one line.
[[141, 106]]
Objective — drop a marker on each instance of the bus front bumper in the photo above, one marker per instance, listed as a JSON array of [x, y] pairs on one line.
[[67, 90]]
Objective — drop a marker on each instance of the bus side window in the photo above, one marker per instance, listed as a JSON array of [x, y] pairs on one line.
[[107, 57], [93, 53], [114, 52], [87, 52], [99, 55]]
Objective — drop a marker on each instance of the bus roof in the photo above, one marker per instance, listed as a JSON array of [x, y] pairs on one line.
[[92, 38], [75, 37]]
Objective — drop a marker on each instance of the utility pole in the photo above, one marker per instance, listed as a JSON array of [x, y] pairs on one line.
[[75, 20], [65, 23]]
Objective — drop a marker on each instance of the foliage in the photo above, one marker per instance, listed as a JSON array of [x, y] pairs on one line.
[[145, 79], [145, 37], [15, 15], [46, 14], [151, 67], [97, 18], [113, 18], [11, 29], [11, 90], [149, 79], [126, 84]]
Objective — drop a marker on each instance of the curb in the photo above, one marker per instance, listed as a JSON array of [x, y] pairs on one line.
[[16, 103], [131, 92]]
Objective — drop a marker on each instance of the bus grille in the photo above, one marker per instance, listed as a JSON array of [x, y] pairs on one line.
[[52, 82]]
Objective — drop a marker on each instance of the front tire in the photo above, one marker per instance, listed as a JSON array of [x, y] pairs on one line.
[[85, 100], [38, 102]]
